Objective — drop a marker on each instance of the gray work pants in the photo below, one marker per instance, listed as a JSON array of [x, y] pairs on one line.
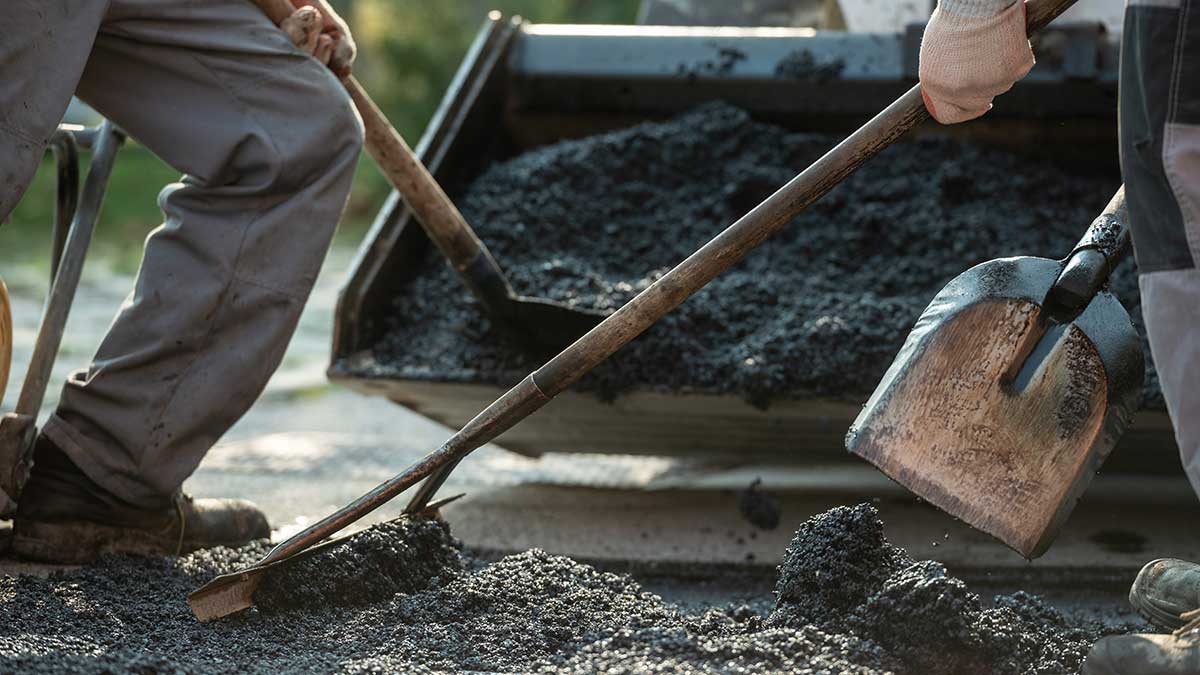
[[268, 141], [1160, 158]]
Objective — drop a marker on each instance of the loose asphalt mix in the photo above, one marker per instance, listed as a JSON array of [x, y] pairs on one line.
[[404, 597], [818, 311]]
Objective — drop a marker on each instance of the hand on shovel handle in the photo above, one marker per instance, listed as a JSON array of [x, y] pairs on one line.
[[316, 28]]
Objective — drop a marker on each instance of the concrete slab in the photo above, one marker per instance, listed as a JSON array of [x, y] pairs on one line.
[[665, 510], [683, 526]]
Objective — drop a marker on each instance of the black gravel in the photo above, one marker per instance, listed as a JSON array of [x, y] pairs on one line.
[[399, 556], [840, 573], [802, 64], [759, 507], [820, 310], [847, 602]]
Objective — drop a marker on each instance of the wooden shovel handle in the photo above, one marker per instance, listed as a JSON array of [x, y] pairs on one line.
[[439, 217], [431, 205], [1039, 13]]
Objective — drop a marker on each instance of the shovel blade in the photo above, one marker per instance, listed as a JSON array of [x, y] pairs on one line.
[[225, 595], [234, 592], [550, 327], [996, 419]]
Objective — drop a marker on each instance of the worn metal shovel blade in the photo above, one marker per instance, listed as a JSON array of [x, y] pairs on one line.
[[998, 416], [549, 327]]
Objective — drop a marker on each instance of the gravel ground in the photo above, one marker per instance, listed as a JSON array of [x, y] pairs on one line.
[[846, 601], [820, 310]]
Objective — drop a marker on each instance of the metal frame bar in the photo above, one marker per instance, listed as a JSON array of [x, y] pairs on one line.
[[66, 156], [70, 269], [18, 429]]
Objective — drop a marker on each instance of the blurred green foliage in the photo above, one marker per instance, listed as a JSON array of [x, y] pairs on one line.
[[409, 51]]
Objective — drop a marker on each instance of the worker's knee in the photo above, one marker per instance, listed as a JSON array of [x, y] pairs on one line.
[[340, 130], [320, 141]]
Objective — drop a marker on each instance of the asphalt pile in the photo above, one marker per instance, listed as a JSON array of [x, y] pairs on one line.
[[397, 557], [846, 601], [841, 574], [820, 310]]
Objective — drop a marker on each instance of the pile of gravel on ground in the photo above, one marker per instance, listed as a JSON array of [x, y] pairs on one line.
[[840, 573], [399, 556], [820, 310], [847, 602]]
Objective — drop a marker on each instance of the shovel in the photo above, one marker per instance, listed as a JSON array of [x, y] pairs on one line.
[[1011, 390], [538, 324], [233, 592]]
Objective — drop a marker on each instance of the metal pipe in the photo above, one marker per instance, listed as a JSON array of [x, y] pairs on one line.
[[62, 291], [66, 157]]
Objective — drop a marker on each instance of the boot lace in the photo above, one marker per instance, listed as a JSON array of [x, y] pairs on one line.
[[1191, 623], [180, 499]]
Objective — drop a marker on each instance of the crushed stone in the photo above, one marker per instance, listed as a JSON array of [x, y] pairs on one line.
[[818, 311], [399, 556], [802, 64], [847, 601], [840, 572], [759, 507]]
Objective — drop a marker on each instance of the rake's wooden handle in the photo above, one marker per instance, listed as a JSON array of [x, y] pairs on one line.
[[724, 251], [429, 203]]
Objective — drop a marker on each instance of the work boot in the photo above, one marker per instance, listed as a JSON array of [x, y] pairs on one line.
[[1164, 589], [64, 517], [1144, 654]]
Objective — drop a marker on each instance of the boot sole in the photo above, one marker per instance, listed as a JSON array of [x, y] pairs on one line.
[[80, 542]]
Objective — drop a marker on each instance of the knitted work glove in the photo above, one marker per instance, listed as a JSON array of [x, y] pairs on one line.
[[973, 51], [318, 30]]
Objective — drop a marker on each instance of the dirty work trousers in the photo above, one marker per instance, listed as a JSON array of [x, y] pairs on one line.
[[267, 140], [1160, 158]]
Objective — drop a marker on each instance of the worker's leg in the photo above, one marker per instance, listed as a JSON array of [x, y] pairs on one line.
[[269, 142], [42, 53], [43, 50], [1160, 158], [1160, 152]]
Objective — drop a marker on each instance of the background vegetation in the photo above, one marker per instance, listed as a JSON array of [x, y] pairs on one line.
[[409, 51]]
